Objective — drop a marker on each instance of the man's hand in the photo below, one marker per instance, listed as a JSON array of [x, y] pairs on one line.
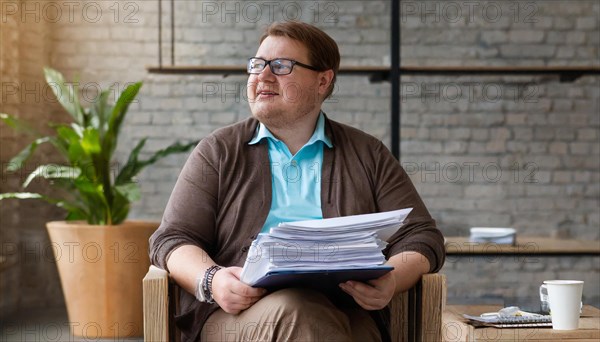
[[231, 294], [375, 294]]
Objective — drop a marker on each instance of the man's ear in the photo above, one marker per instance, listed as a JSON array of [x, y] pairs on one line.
[[325, 79]]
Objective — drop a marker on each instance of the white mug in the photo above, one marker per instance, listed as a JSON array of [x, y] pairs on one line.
[[564, 299]]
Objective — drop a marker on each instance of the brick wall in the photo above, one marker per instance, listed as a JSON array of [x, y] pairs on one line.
[[9, 34], [28, 275], [483, 151], [507, 280]]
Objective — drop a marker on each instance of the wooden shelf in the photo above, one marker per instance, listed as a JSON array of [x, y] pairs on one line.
[[375, 73], [381, 73], [526, 245]]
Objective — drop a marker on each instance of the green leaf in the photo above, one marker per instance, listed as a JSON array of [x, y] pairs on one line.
[[92, 194], [74, 210], [130, 169], [21, 195], [17, 161], [71, 140], [61, 146], [100, 113], [67, 95], [18, 125], [91, 190], [53, 171], [131, 191], [67, 133], [77, 129], [91, 141], [88, 187], [121, 206], [76, 216], [116, 118], [134, 166]]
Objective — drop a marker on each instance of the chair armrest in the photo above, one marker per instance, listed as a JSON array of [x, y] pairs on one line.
[[156, 305], [416, 315]]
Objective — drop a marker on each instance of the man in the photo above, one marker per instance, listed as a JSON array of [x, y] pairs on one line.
[[288, 162]]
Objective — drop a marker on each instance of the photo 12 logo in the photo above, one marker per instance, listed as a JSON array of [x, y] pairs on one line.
[[470, 92], [35, 92], [468, 11], [68, 11], [269, 11]]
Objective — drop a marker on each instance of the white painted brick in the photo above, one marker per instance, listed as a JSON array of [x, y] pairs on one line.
[[565, 52], [556, 37], [494, 37], [559, 148], [526, 36], [587, 134], [586, 23], [575, 37], [578, 148], [527, 51], [538, 147], [161, 118], [587, 52]]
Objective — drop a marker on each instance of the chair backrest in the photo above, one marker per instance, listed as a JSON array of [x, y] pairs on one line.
[[416, 314]]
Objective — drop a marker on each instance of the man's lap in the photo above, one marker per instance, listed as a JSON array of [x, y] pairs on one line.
[[292, 315]]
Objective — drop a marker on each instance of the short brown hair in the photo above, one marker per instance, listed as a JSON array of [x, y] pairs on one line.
[[323, 51]]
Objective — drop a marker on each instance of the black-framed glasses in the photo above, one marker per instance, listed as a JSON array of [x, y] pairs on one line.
[[279, 66]]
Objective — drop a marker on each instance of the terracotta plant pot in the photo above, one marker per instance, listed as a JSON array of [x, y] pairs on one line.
[[101, 270]]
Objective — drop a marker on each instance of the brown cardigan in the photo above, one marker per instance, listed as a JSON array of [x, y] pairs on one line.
[[223, 195]]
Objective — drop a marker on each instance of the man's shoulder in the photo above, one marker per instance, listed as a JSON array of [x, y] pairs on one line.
[[344, 133], [241, 131]]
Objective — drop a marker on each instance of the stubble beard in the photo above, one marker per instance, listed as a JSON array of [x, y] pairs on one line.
[[279, 118], [285, 118]]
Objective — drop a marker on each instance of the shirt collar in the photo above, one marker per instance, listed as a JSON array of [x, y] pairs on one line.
[[263, 132]]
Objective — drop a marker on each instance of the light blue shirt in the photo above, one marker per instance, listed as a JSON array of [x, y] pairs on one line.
[[296, 180]]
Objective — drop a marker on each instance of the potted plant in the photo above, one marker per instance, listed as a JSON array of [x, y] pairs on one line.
[[101, 256]]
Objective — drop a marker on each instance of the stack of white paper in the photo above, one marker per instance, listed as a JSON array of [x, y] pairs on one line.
[[348, 242]]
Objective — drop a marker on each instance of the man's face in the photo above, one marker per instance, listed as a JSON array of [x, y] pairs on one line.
[[280, 101]]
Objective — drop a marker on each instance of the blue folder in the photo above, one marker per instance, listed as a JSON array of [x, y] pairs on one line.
[[320, 279]]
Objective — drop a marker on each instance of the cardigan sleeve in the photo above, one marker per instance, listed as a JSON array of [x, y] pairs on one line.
[[394, 190], [190, 214]]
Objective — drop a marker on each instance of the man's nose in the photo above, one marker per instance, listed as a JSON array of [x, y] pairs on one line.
[[266, 74]]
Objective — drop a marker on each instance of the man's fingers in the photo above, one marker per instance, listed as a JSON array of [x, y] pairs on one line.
[[242, 289], [236, 271], [231, 294], [381, 281], [365, 305], [366, 296], [244, 300], [363, 290], [234, 304]]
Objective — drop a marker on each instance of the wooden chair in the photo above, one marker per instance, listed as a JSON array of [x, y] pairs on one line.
[[416, 314]]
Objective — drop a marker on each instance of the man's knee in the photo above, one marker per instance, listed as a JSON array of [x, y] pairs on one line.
[[296, 299], [284, 315], [306, 314]]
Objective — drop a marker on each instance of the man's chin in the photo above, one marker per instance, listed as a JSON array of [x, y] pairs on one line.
[[264, 112], [269, 118]]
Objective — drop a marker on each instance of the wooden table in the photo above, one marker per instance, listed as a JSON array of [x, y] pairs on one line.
[[526, 245], [455, 328]]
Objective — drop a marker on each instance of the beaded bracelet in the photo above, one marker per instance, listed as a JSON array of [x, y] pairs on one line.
[[207, 283]]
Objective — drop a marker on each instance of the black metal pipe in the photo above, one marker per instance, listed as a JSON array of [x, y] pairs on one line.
[[160, 33], [172, 32], [395, 78]]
